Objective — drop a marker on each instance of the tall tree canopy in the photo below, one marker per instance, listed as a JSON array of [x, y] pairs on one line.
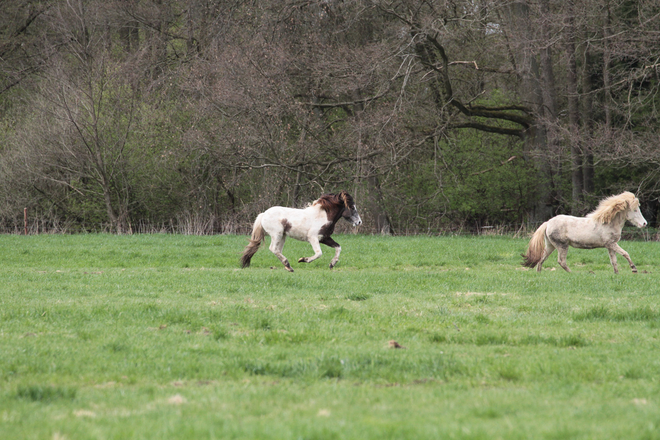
[[194, 115]]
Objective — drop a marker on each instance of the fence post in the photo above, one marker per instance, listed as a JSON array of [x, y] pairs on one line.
[[25, 219]]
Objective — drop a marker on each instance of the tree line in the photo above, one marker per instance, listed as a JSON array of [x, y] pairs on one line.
[[195, 115]]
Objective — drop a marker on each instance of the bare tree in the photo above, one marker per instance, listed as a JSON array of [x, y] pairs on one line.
[[86, 113]]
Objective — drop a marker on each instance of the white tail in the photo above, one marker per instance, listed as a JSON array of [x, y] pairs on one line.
[[536, 247]]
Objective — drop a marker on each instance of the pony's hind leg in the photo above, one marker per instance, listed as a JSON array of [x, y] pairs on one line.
[[562, 251], [276, 246], [625, 254], [314, 241], [549, 249], [333, 244], [612, 253]]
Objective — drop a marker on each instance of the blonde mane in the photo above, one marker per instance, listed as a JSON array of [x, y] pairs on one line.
[[608, 208]]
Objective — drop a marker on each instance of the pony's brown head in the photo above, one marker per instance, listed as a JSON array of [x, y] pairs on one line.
[[350, 211], [340, 205]]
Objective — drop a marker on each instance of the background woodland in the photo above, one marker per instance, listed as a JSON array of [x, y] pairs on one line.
[[193, 116]]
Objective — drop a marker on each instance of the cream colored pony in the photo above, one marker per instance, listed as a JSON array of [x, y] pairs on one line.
[[600, 228]]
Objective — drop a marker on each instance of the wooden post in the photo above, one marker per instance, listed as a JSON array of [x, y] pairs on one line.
[[25, 219]]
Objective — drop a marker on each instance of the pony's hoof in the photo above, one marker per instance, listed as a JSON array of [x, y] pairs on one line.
[[302, 260], [634, 270], [289, 269]]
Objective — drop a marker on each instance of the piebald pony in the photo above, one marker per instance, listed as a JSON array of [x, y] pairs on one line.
[[314, 224]]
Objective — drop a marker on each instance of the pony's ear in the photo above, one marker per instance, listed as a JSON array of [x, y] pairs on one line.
[[625, 203], [633, 202], [344, 197], [622, 205]]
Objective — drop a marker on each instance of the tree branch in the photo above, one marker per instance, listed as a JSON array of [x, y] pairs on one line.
[[491, 129], [345, 103], [504, 162]]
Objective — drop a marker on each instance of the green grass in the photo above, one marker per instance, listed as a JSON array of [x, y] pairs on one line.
[[161, 336]]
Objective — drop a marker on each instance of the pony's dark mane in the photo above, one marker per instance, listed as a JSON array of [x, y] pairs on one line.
[[330, 202]]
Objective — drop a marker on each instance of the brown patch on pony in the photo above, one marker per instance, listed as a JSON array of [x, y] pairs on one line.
[[609, 208], [326, 240], [327, 229], [334, 205], [329, 202], [286, 225]]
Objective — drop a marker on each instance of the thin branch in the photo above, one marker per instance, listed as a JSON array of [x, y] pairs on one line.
[[491, 129], [504, 162], [345, 103]]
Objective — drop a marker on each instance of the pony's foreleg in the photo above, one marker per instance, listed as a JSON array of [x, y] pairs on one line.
[[625, 254], [613, 249], [333, 244], [276, 246], [314, 241]]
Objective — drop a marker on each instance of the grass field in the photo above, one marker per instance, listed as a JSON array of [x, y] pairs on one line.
[[163, 337]]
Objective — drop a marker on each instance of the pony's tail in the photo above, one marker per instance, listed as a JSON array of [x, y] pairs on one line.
[[536, 247], [258, 235]]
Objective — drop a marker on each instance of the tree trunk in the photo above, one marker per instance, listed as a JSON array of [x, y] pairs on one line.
[[158, 41], [375, 203], [607, 99], [587, 124], [536, 141], [573, 120], [549, 92], [296, 186], [382, 223], [129, 36], [548, 109], [115, 224]]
